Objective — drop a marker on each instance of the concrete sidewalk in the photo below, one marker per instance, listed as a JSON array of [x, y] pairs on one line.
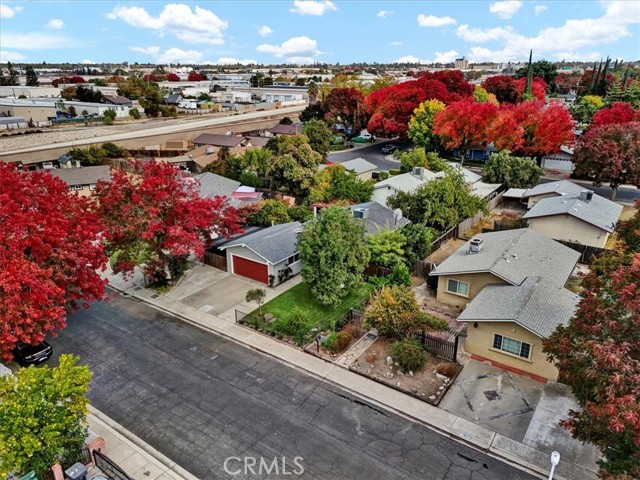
[[516, 453], [137, 458]]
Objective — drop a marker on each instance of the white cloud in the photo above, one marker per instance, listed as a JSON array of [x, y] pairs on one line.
[[88, 62], [578, 56], [172, 55], [197, 26], [433, 21], [296, 49], [264, 30], [396, 44], [573, 37], [538, 9], [35, 41], [231, 61], [8, 12], [505, 9], [146, 50], [384, 13], [56, 23], [10, 56], [441, 57], [313, 7]]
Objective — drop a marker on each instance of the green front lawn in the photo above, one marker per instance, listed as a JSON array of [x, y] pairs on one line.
[[299, 297]]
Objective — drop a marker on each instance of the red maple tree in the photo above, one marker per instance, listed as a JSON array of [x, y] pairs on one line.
[[172, 77], [531, 128], [598, 354], [155, 220], [538, 87], [346, 106], [618, 112], [504, 88], [610, 153], [49, 254], [195, 77], [463, 124]]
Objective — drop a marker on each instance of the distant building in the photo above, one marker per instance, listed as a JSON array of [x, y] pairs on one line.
[[461, 63]]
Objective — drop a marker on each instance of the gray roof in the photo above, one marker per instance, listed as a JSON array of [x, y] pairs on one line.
[[82, 175], [537, 305], [598, 211], [274, 244], [359, 165], [562, 187], [379, 217], [258, 141], [212, 185], [514, 255], [287, 129], [218, 140]]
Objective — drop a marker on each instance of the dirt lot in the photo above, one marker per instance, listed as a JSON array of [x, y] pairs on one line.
[[424, 384]]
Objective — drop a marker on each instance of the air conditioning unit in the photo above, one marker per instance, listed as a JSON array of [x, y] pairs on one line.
[[418, 172], [475, 245], [209, 150], [360, 213]]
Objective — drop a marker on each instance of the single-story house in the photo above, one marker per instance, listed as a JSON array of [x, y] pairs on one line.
[[531, 196], [405, 182], [561, 160], [269, 256], [377, 217], [507, 323], [9, 123], [504, 257], [172, 99], [474, 182], [362, 168], [118, 100], [478, 153], [82, 180], [584, 218], [258, 141], [213, 185], [281, 129], [229, 141], [203, 156]]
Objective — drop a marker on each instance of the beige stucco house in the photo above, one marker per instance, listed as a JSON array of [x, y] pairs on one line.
[[362, 168], [83, 180], [533, 195], [584, 218]]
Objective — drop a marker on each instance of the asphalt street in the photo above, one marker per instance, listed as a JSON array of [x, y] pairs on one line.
[[200, 400], [371, 152]]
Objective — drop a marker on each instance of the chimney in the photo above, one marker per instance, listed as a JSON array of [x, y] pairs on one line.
[[418, 172], [589, 196], [475, 246]]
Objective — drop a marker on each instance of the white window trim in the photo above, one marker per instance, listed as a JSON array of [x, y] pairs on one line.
[[78, 187], [524, 359], [456, 293]]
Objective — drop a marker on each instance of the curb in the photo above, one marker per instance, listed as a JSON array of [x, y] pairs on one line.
[[158, 457]]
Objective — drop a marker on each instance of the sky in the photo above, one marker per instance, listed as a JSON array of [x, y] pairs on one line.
[[303, 32]]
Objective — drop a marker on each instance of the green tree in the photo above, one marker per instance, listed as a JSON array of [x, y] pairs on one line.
[[42, 416], [151, 101], [32, 77], [418, 242], [109, 117], [271, 212], [543, 69], [482, 96], [257, 295], [394, 312], [92, 155], [416, 157], [319, 136], [336, 183], [420, 126], [294, 164], [511, 171], [334, 253], [584, 109], [11, 79], [135, 113], [439, 204], [387, 247]]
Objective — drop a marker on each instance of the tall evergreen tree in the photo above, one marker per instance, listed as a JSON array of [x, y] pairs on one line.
[[527, 90], [11, 78], [32, 77]]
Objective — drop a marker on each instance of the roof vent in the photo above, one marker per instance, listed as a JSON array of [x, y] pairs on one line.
[[418, 172], [475, 245], [361, 213], [586, 195]]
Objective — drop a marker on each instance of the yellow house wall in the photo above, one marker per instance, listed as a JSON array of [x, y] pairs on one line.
[[476, 281], [570, 229], [480, 342]]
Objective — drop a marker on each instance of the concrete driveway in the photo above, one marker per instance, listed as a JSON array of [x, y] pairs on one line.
[[519, 408]]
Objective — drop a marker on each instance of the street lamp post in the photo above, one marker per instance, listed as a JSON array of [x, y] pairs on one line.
[[555, 459]]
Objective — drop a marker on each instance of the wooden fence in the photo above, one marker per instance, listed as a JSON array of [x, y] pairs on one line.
[[452, 233], [373, 270], [587, 252], [441, 344], [217, 261]]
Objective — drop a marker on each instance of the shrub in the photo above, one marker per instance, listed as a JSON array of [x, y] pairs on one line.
[[250, 179], [430, 322], [384, 174], [447, 369], [353, 329], [409, 354], [394, 171], [135, 113], [400, 275], [372, 357], [343, 339], [336, 342]]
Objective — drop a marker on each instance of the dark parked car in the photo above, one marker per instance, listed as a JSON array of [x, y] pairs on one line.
[[390, 148], [26, 354]]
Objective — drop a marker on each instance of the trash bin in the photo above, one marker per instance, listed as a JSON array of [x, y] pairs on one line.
[[77, 471]]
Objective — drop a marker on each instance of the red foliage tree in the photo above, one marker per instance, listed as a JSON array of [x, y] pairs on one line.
[[531, 128], [457, 86], [152, 77], [538, 87], [618, 112], [598, 354], [610, 154], [195, 77], [463, 124], [49, 254], [64, 80], [157, 219], [172, 77], [346, 106], [504, 88]]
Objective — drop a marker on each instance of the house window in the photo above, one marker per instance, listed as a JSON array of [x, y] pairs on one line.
[[92, 187], [512, 346], [78, 187], [458, 287], [293, 259]]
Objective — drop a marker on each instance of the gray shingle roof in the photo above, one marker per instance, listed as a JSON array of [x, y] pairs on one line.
[[514, 255], [537, 305], [287, 129], [562, 187], [212, 185], [359, 165], [82, 175], [598, 211], [379, 217], [218, 140], [274, 244]]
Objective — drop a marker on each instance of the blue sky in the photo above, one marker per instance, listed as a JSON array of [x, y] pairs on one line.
[[297, 31]]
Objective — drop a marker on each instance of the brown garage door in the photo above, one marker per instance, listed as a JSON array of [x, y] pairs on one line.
[[250, 269]]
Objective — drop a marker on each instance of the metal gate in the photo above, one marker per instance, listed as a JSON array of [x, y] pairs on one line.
[[110, 469]]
